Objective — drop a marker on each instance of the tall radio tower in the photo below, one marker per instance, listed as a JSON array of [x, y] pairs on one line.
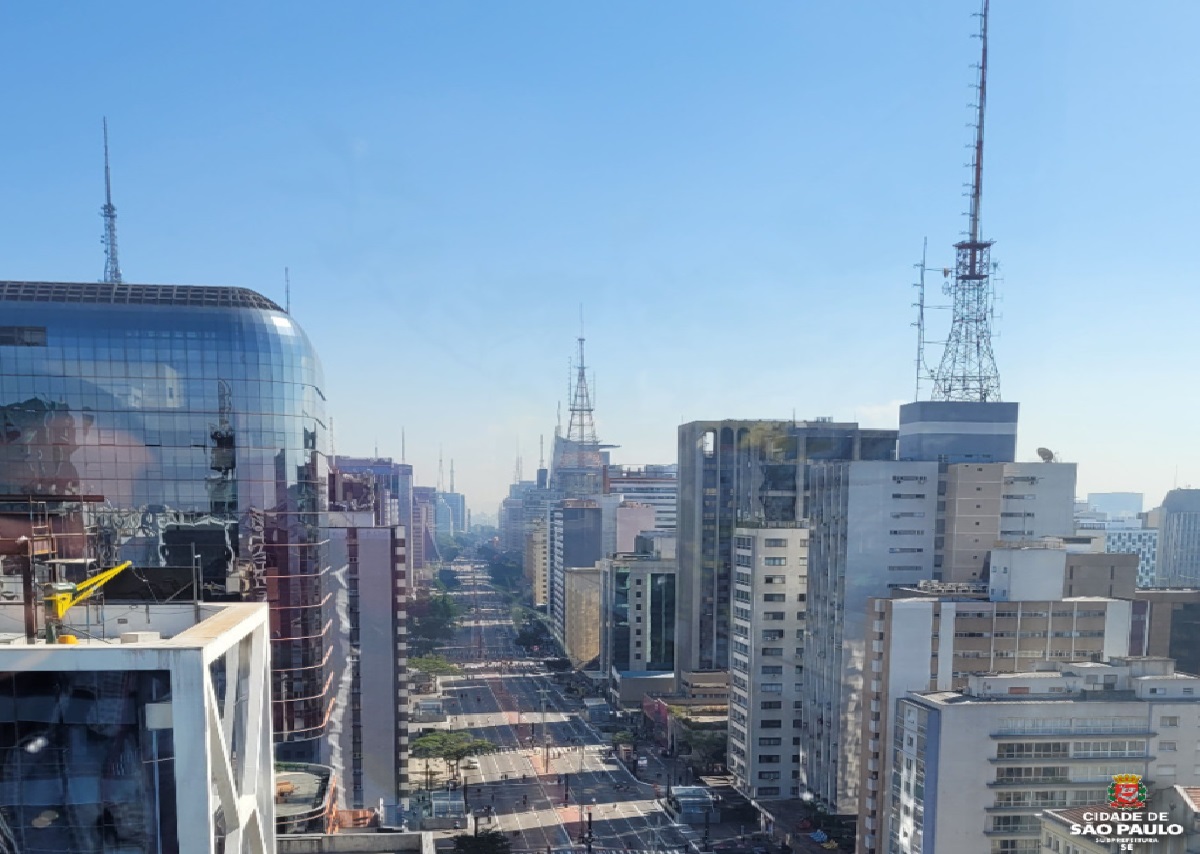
[[112, 267], [968, 368]]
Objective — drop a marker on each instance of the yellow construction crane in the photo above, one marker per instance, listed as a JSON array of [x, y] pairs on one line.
[[60, 596]]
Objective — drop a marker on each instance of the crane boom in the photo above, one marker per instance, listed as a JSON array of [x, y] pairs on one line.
[[60, 597]]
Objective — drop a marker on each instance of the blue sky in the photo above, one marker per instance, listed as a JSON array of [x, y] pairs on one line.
[[735, 192]]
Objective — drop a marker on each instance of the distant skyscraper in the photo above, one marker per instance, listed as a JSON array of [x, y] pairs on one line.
[[1116, 504], [1179, 539]]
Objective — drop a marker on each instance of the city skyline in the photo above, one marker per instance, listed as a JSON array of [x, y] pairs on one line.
[[731, 197]]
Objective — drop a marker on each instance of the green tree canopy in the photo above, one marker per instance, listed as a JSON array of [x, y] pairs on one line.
[[623, 737], [453, 747], [434, 665]]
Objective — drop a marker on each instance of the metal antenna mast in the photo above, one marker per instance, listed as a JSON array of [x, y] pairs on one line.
[[112, 266], [441, 482], [452, 474], [968, 368]]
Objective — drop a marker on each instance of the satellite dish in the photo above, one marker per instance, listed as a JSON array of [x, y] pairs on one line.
[[1046, 454]]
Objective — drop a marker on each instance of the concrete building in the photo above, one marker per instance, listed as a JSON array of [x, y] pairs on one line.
[[1179, 539], [582, 532], [576, 541], [151, 734], [1043, 603], [974, 767], [767, 662], [638, 626], [873, 526], [988, 502], [166, 425], [422, 539], [1166, 623], [733, 472], [537, 563], [581, 595], [369, 737], [655, 485]]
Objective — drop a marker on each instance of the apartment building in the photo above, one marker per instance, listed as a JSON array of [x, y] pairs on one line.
[[767, 659], [973, 768], [1043, 602]]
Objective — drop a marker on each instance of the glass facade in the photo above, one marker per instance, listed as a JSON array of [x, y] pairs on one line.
[[79, 771], [177, 427]]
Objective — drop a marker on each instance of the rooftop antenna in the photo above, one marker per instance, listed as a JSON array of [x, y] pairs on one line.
[[968, 368], [452, 474], [287, 292], [541, 452], [441, 472], [403, 447], [112, 266]]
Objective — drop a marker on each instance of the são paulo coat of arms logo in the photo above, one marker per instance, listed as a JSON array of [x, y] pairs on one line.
[[1127, 792]]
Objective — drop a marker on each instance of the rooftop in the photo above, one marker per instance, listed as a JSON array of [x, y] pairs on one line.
[[207, 296], [97, 625]]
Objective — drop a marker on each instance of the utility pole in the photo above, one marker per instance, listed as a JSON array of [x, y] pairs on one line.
[[545, 741]]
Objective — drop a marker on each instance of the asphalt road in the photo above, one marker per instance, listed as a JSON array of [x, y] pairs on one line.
[[501, 701]]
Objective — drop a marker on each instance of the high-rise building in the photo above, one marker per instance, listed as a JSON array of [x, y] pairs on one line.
[[152, 733], [369, 733], [422, 542], [638, 625], [1042, 603], [974, 767], [537, 563], [873, 527], [655, 485], [176, 426], [734, 472], [1179, 539], [457, 502], [767, 662], [576, 546]]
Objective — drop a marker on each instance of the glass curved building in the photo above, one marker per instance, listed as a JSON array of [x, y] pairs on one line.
[[182, 428]]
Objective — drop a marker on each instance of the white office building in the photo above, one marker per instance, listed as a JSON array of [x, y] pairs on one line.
[[873, 529], [767, 658]]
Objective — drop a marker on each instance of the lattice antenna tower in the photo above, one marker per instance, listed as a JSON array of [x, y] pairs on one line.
[[441, 481], [112, 266], [452, 474], [581, 429], [968, 368]]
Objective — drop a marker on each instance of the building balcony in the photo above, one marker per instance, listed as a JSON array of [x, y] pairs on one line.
[[1041, 760], [1139, 731]]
